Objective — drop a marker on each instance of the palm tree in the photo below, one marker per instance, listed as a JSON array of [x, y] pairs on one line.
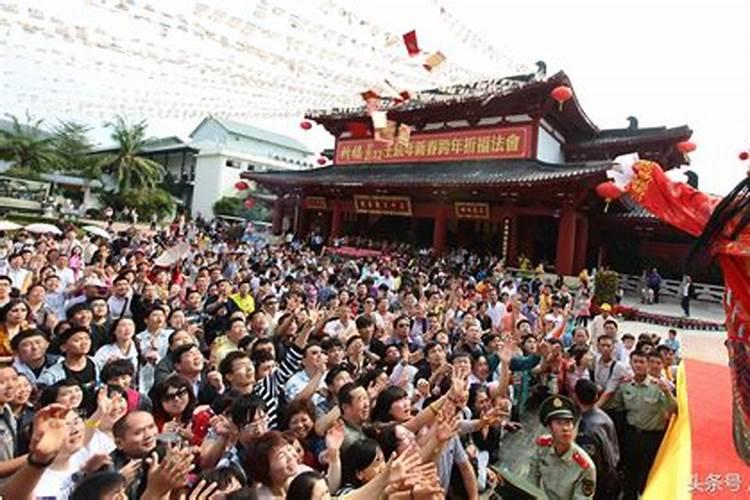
[[131, 171], [75, 150], [27, 147]]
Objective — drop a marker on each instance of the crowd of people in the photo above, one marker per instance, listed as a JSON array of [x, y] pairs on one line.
[[240, 371]]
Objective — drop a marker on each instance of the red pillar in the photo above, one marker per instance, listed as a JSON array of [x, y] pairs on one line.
[[336, 215], [440, 231], [566, 240], [277, 217], [582, 243]]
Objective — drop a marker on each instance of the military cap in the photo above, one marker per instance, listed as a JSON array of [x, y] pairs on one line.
[[557, 407]]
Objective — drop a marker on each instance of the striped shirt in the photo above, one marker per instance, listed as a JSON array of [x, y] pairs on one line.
[[271, 387]]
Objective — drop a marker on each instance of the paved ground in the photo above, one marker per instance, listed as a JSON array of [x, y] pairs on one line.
[[696, 344]]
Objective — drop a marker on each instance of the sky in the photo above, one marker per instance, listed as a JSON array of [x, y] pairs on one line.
[[667, 63]]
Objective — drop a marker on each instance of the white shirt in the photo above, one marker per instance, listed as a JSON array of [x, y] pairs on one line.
[[496, 313], [336, 329], [18, 276], [108, 352], [66, 275], [119, 307], [59, 484]]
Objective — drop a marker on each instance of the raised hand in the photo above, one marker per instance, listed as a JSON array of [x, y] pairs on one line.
[[130, 470], [375, 387], [49, 433], [223, 426], [335, 436], [96, 462], [423, 388], [214, 379], [203, 491], [170, 473], [103, 401]]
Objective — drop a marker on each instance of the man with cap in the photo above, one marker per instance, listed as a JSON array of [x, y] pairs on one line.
[[559, 466], [597, 324], [30, 350]]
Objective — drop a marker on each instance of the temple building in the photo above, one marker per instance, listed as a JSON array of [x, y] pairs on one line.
[[498, 165]]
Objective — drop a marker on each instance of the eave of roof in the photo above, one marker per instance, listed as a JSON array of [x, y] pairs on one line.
[[467, 173], [625, 137]]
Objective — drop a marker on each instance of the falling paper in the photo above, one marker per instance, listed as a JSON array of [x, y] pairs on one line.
[[386, 134], [434, 60], [410, 40], [404, 135], [379, 120]]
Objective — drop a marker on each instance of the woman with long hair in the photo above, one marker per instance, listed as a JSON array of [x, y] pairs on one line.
[[174, 401], [122, 345], [13, 319]]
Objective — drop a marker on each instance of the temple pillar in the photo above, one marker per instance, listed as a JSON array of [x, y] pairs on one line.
[[303, 222], [566, 240], [336, 215], [440, 231], [582, 243], [511, 259], [277, 217]]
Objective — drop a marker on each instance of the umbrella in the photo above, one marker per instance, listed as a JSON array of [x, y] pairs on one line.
[[173, 255], [42, 228], [6, 225], [97, 231]]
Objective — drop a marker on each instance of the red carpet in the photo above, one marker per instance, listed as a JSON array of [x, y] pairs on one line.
[[716, 467]]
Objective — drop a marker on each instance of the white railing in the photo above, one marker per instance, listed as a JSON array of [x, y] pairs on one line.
[[669, 288]]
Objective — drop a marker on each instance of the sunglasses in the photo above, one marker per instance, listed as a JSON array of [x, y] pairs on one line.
[[172, 396]]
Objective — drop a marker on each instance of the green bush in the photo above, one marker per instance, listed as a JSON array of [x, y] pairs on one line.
[[605, 287]]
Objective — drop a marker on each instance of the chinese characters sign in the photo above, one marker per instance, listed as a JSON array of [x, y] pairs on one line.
[[316, 203], [476, 144], [384, 205], [472, 210]]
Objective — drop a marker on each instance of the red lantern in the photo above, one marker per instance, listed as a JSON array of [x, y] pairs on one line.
[[241, 185], [249, 203], [609, 192], [322, 160], [744, 156], [686, 147], [305, 125], [561, 94]]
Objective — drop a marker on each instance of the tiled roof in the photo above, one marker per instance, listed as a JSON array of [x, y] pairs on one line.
[[633, 210], [467, 173], [615, 137]]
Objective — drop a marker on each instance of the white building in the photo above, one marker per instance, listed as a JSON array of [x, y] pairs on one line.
[[226, 148]]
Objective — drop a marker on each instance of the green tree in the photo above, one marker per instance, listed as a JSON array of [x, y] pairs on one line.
[[28, 148], [74, 149], [235, 207], [148, 202], [130, 170], [605, 287]]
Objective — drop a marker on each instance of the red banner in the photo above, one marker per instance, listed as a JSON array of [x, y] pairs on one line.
[[316, 203], [384, 205], [475, 144], [471, 210]]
